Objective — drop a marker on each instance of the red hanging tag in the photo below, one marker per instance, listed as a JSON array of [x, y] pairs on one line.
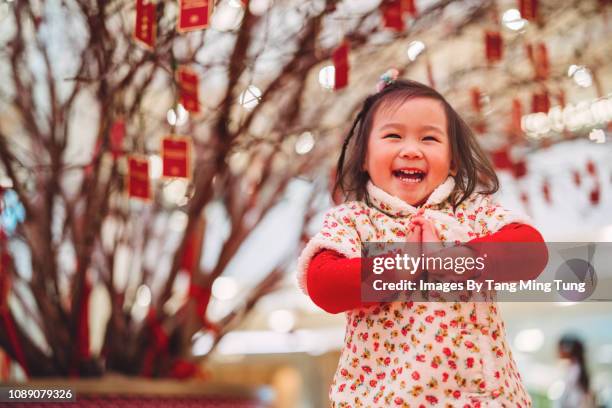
[[519, 169], [540, 102], [577, 178], [476, 97], [188, 84], [341, 65], [561, 98], [138, 178], [493, 46], [529, 9], [194, 15], [530, 53], [517, 114], [591, 168], [542, 65], [595, 195], [480, 126], [392, 13], [409, 6], [501, 159], [117, 134], [546, 192], [524, 198], [176, 156], [145, 29]]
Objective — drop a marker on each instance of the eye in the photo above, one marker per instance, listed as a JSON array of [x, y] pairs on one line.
[[430, 138], [392, 136]]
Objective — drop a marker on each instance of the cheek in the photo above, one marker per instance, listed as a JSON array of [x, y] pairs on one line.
[[441, 159], [377, 156]]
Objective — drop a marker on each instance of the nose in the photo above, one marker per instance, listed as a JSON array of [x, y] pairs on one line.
[[410, 150]]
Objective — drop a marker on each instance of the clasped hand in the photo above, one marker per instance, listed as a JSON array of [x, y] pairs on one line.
[[423, 231]]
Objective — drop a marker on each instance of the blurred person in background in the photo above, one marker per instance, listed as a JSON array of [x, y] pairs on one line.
[[577, 393]]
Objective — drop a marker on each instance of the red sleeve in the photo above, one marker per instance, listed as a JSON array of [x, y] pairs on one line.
[[508, 264], [512, 233], [334, 281]]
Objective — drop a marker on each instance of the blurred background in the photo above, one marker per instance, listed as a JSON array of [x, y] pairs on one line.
[[163, 163]]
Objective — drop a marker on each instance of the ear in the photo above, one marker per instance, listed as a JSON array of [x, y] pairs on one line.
[[454, 169]]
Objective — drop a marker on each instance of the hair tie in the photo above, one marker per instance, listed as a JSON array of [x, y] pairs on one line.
[[387, 79]]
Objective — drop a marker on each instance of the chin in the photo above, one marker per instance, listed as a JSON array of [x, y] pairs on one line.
[[415, 202]]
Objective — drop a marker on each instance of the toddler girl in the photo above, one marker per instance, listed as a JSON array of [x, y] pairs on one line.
[[415, 173]]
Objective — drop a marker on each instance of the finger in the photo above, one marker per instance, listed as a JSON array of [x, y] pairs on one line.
[[429, 228], [418, 220]]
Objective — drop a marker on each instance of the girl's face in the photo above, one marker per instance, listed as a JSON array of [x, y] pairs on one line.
[[409, 152]]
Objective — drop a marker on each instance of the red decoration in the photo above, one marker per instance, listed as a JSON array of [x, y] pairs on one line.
[[546, 192], [194, 15], [591, 168], [519, 169], [138, 178], [530, 53], [409, 6], [480, 126], [188, 83], [517, 114], [577, 178], [145, 30], [529, 9], [176, 156], [117, 134], [595, 195], [393, 14], [476, 97], [341, 65], [540, 102], [493, 46], [501, 159], [561, 98], [542, 64]]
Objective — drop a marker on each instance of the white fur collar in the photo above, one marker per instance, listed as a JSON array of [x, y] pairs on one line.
[[396, 207]]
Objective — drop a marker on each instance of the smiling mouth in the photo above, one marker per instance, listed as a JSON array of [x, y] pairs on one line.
[[412, 176]]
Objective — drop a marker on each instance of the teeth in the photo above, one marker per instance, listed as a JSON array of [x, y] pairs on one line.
[[410, 176]]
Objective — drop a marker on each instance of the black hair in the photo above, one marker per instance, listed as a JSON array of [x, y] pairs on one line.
[[471, 163], [573, 348]]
